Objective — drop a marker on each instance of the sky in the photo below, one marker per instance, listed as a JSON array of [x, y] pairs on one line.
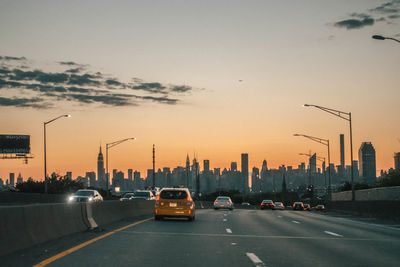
[[208, 78]]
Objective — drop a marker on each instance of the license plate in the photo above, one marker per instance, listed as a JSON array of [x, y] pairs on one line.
[[172, 204]]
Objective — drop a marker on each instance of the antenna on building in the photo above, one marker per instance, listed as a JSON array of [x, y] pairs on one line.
[[154, 166]]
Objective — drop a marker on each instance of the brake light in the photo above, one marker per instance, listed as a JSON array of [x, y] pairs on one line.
[[156, 211], [188, 198], [262, 204], [216, 201], [158, 197]]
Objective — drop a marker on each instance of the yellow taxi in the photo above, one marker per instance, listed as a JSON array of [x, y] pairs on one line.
[[174, 202]]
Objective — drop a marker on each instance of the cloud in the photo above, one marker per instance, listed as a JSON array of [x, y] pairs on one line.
[[75, 70], [153, 87], [388, 7], [78, 86], [23, 102], [350, 24], [388, 12], [7, 58], [69, 63], [181, 88]]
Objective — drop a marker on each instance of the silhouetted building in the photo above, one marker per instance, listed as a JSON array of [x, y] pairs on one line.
[[342, 161], [69, 175], [91, 177], [367, 160], [313, 163], [245, 172], [101, 174], [19, 179], [206, 165], [255, 180], [397, 161], [233, 166], [12, 179]]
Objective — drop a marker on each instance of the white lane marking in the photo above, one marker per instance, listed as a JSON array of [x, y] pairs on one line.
[[296, 222], [332, 233], [254, 236], [201, 204], [253, 257], [224, 214], [224, 220], [233, 244], [229, 231], [279, 216]]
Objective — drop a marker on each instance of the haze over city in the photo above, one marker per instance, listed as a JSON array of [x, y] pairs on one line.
[[215, 79]]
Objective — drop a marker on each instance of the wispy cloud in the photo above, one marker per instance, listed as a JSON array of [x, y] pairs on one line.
[[79, 86], [386, 12]]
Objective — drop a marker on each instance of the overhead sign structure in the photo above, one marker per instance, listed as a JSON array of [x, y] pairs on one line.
[[15, 144]]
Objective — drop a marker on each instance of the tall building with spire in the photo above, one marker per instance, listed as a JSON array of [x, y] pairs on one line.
[[188, 173], [101, 175]]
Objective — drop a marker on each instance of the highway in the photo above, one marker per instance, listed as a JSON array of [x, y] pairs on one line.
[[236, 238]]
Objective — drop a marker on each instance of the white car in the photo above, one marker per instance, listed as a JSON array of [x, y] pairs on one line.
[[85, 195], [143, 195], [223, 203]]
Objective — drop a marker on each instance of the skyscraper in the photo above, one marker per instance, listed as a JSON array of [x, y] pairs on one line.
[[342, 151], [233, 166], [101, 175], [245, 172], [367, 161], [12, 178], [206, 165], [255, 180], [397, 161]]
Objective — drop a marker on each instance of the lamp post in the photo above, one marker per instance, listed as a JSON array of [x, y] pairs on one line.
[[380, 37], [326, 143], [345, 116], [45, 159], [110, 145]]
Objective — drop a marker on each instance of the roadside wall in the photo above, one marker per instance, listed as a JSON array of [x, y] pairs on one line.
[[16, 198], [376, 209], [381, 194], [25, 226]]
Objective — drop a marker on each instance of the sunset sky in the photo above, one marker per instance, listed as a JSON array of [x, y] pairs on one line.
[[214, 78]]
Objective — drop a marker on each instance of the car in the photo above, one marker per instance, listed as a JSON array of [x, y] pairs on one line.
[[307, 207], [85, 195], [267, 204], [127, 196], [174, 202], [320, 207], [223, 202], [143, 195], [279, 206], [298, 206]]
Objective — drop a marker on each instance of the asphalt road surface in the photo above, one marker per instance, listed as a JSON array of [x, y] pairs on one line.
[[239, 238]]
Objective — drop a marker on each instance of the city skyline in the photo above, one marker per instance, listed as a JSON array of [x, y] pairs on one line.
[[205, 78]]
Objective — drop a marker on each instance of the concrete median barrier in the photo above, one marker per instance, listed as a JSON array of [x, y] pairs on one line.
[[24, 226]]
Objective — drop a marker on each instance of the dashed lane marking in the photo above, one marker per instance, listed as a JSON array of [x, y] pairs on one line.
[[332, 233], [229, 231], [253, 257], [296, 222], [224, 220]]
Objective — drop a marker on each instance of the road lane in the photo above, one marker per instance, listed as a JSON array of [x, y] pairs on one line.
[[256, 238]]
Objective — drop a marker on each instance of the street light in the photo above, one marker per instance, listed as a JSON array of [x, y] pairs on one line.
[[326, 143], [44, 137], [110, 145], [345, 116], [380, 37]]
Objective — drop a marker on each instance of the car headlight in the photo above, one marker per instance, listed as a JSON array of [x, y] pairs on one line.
[[90, 199], [70, 199]]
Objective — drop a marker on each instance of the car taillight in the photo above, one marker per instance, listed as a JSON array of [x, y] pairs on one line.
[[262, 204], [216, 202], [188, 198], [158, 197]]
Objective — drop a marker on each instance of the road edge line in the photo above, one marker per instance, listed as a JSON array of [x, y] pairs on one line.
[[73, 249]]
